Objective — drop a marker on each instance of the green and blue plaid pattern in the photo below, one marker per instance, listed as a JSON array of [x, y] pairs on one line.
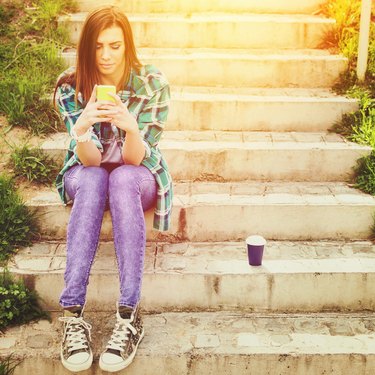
[[147, 98]]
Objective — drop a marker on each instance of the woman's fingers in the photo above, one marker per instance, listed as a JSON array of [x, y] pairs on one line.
[[93, 95], [117, 99], [102, 119], [106, 106], [102, 115], [103, 112], [100, 104]]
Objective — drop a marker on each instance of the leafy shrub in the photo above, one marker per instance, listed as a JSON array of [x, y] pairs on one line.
[[365, 172], [18, 305], [18, 224], [33, 164]]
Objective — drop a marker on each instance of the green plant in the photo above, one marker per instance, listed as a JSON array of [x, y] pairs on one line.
[[44, 18], [30, 62], [343, 37], [33, 164], [359, 126], [346, 14], [24, 83], [18, 224], [365, 174], [372, 236], [6, 14], [8, 364], [18, 305]]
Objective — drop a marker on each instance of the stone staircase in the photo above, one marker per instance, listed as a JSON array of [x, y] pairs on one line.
[[250, 113]]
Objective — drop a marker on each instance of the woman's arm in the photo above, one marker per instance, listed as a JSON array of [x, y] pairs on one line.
[[153, 117], [133, 150], [138, 143], [87, 152], [82, 120]]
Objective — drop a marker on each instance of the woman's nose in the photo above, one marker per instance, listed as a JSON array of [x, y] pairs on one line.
[[105, 53]]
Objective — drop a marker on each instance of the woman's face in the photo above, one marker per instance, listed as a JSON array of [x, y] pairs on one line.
[[110, 52]]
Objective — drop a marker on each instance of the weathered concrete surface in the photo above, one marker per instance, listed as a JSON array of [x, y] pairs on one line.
[[212, 211], [253, 109], [299, 110], [218, 30], [244, 156], [217, 343], [212, 276], [225, 68], [183, 6]]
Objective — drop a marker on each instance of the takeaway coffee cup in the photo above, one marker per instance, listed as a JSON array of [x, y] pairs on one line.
[[255, 248]]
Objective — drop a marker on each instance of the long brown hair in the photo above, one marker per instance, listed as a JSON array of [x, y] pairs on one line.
[[86, 75]]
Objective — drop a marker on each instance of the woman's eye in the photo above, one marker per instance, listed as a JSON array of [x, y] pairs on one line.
[[115, 47]]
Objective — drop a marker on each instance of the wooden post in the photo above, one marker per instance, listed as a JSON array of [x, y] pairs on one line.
[[364, 33]]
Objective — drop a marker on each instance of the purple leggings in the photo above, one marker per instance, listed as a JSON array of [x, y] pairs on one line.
[[131, 191]]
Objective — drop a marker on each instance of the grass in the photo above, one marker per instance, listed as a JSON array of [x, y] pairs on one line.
[[34, 164], [343, 37], [359, 126], [8, 365], [30, 41], [18, 224]]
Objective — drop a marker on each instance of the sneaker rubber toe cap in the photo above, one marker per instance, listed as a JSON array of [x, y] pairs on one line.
[[111, 359], [79, 358]]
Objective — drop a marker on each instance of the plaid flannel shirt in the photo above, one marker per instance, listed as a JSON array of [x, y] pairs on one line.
[[147, 98]]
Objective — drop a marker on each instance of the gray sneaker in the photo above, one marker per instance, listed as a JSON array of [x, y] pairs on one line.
[[76, 354], [123, 344]]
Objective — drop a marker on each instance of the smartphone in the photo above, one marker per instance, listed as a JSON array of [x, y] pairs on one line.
[[102, 92]]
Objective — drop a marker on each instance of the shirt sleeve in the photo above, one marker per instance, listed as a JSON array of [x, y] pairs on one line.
[[70, 111], [153, 117]]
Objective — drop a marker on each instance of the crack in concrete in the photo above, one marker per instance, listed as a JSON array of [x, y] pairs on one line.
[[155, 256]]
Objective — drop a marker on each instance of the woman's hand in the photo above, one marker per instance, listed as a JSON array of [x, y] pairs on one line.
[[123, 119], [95, 111]]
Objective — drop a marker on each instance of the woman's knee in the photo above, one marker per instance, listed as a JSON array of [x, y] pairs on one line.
[[93, 179], [125, 177]]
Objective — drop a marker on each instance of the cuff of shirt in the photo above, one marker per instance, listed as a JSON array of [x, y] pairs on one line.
[[147, 149]]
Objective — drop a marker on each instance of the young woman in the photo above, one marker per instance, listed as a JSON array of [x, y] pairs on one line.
[[114, 162]]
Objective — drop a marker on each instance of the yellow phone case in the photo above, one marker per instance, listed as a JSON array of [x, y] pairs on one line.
[[102, 92]]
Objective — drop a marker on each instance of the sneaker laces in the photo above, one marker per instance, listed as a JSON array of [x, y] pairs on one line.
[[120, 335], [75, 333]]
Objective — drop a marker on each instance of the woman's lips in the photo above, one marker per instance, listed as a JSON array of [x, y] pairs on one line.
[[106, 66]]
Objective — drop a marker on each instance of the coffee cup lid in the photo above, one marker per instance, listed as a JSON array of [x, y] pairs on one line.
[[255, 240]]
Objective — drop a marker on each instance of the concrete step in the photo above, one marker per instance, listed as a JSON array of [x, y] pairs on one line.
[[214, 211], [300, 110], [183, 6], [241, 156], [242, 68], [215, 344], [294, 276], [218, 30], [253, 109]]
